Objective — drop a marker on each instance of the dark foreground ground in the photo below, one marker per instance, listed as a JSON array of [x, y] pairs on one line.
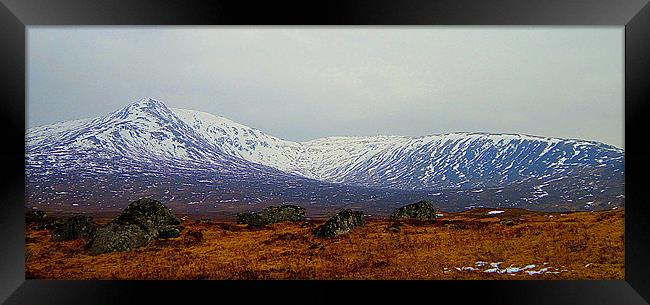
[[515, 244]]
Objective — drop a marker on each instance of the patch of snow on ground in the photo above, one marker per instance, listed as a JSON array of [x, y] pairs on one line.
[[495, 212], [510, 270]]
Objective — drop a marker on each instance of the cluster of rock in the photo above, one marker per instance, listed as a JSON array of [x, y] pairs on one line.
[[145, 220], [62, 228], [341, 223], [38, 218], [271, 215], [347, 220], [141, 222], [35, 216], [73, 227]]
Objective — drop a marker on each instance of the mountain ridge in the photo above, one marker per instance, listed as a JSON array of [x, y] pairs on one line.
[[148, 131]]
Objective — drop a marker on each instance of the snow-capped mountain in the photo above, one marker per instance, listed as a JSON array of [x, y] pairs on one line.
[[143, 148], [147, 147], [241, 141], [457, 160], [143, 131]]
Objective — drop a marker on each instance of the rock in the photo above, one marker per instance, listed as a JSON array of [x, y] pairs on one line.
[[341, 223], [149, 214], [283, 213], [39, 219], [141, 222], [394, 227], [73, 228], [169, 232], [272, 215], [422, 210], [34, 216], [115, 237], [508, 222], [251, 219], [193, 237]]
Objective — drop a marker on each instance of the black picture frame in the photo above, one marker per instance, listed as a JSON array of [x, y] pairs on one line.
[[16, 15]]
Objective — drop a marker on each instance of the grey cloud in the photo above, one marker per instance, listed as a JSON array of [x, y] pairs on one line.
[[309, 82]]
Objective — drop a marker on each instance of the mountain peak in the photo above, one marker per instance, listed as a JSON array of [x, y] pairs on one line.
[[146, 141], [148, 102], [143, 110]]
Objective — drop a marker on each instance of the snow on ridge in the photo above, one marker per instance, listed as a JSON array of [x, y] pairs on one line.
[[242, 141], [460, 159]]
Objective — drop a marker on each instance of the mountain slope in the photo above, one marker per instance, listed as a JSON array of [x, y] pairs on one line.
[[457, 160], [142, 149], [241, 141], [204, 161]]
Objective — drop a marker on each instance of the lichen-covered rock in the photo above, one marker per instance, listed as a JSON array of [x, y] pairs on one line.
[[422, 210], [115, 237], [39, 219], [272, 214], [34, 216], [341, 223], [141, 222], [73, 228], [252, 219], [149, 214]]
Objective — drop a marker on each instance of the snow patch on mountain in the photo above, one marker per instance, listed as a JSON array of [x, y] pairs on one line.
[[454, 160], [148, 139]]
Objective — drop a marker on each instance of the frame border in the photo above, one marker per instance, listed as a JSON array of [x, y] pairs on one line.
[[17, 15]]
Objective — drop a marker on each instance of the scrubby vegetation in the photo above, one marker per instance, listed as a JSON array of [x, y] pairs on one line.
[[581, 245]]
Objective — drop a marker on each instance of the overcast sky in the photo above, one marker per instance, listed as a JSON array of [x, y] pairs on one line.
[[310, 82]]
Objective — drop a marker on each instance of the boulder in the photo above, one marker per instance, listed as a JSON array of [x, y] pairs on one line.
[[272, 214], [115, 237], [73, 228], [34, 216], [341, 223], [149, 214], [422, 210], [141, 222], [252, 219], [39, 219]]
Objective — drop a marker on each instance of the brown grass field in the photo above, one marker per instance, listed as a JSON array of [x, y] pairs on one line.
[[580, 245]]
